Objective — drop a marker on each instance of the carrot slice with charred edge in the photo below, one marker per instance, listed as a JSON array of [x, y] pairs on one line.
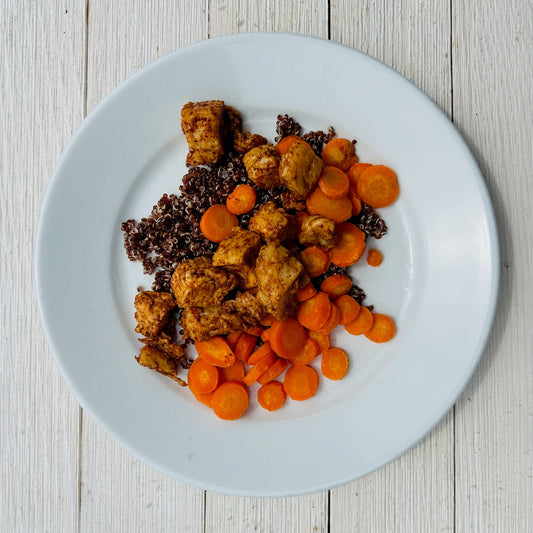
[[256, 356], [382, 330], [265, 336], [301, 382], [349, 309], [323, 341], [267, 320], [217, 222], [271, 396], [287, 338], [203, 377], [336, 285], [283, 146], [215, 351], [273, 371], [245, 346], [333, 182], [313, 313], [362, 323], [241, 200], [318, 203], [335, 364], [374, 258], [255, 331], [306, 293], [355, 200], [315, 261], [259, 367], [331, 322], [308, 354], [339, 153], [230, 400], [377, 186], [235, 372], [355, 171], [232, 338], [350, 245]]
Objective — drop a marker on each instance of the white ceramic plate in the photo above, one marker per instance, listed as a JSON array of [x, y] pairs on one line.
[[438, 280]]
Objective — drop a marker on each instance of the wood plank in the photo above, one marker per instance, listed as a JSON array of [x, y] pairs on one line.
[[119, 493], [493, 88], [41, 103], [304, 513], [416, 492]]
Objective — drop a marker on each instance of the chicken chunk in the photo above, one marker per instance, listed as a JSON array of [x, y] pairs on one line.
[[240, 248], [202, 323], [317, 230], [290, 201], [203, 124], [273, 223], [262, 166], [196, 282], [152, 310], [300, 169], [244, 142], [159, 361], [278, 273], [164, 344]]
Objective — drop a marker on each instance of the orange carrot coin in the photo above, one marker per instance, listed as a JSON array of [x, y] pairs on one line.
[[355, 172], [315, 261], [335, 364], [337, 210], [314, 312], [230, 400], [217, 222], [333, 182], [288, 338], [336, 285], [203, 377], [339, 153], [382, 330], [323, 341], [349, 309], [308, 354], [235, 372], [350, 245], [301, 382], [377, 186], [374, 258], [215, 351], [362, 323], [271, 396], [273, 371]]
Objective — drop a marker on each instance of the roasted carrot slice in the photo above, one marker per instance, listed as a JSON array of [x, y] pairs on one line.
[[215, 351], [306, 293], [335, 364], [203, 377], [235, 372], [256, 331], [315, 261], [241, 200], [256, 356], [339, 153], [318, 203], [232, 338], [355, 200], [217, 222], [230, 400], [350, 245], [349, 309], [265, 336], [245, 346], [314, 312], [382, 330], [336, 285], [377, 186], [362, 323], [331, 322], [271, 396], [374, 257], [308, 354], [333, 182], [273, 371], [283, 146], [355, 172], [323, 341], [260, 367], [301, 382], [288, 338]]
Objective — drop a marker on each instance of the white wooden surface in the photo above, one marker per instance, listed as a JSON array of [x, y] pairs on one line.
[[60, 472]]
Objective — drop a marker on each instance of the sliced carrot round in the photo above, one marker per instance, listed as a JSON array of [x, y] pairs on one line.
[[335, 364], [331, 322], [301, 382], [355, 172], [306, 293], [288, 338], [323, 341], [374, 257], [382, 330], [230, 400], [308, 354], [318, 203], [350, 245], [241, 200], [273, 371], [339, 153], [333, 182], [336, 285], [349, 309], [235, 372], [314, 312], [261, 366], [271, 396], [355, 200], [377, 186], [362, 323], [203, 377], [283, 146], [256, 356], [315, 261], [217, 222], [216, 351]]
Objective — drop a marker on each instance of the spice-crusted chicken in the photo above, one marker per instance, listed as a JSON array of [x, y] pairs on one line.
[[262, 166], [278, 274], [203, 125], [242, 141], [152, 357], [202, 323], [273, 223], [290, 201], [164, 344], [152, 310], [299, 169], [196, 282], [317, 230], [240, 248]]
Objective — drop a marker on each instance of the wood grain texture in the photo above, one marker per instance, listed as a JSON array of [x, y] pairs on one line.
[[41, 103], [118, 492], [493, 95], [416, 492]]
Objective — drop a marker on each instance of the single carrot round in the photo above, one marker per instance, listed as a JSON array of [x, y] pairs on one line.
[[318, 203], [314, 312], [331, 322], [315, 261], [203, 377], [300, 383], [283, 146], [273, 371], [354, 172], [350, 245], [339, 153], [245, 346], [216, 351], [335, 364], [217, 222], [362, 323], [287, 338], [374, 257], [306, 293], [206, 398], [308, 354], [382, 330], [241, 200], [271, 396], [235, 372], [336, 285], [349, 309], [261, 366], [355, 200], [256, 356], [377, 186], [323, 341], [230, 400], [333, 182]]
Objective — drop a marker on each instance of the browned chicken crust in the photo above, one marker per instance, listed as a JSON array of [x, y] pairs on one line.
[[273, 223], [317, 230], [159, 361], [152, 310], [262, 166], [300, 169]]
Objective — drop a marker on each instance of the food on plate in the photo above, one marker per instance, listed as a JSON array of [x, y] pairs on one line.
[[251, 261]]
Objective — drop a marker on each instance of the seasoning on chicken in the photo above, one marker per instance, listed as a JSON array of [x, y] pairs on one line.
[[299, 169], [317, 230], [152, 310], [203, 125], [262, 166], [240, 248], [273, 223], [242, 141], [155, 359], [196, 282], [164, 344], [290, 201], [278, 275]]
